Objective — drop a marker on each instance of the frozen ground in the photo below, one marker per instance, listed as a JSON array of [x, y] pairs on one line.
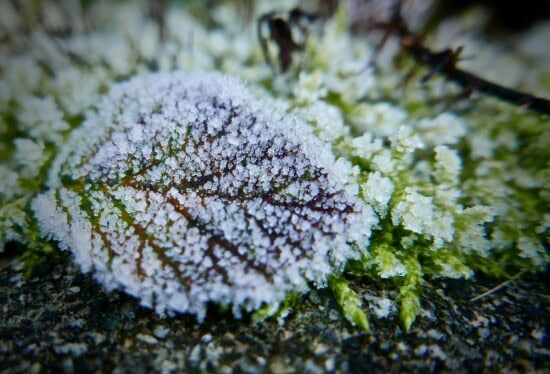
[[64, 321]]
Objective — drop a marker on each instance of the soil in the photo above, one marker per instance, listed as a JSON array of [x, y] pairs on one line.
[[63, 321]]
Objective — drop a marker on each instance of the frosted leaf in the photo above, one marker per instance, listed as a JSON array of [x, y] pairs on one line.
[[180, 190]]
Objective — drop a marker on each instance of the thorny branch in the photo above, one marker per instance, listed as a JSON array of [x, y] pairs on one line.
[[444, 62], [279, 30]]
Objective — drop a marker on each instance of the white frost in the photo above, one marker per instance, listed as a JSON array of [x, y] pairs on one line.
[[180, 190]]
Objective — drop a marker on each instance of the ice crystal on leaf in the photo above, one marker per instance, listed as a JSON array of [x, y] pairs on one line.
[[181, 190], [185, 188]]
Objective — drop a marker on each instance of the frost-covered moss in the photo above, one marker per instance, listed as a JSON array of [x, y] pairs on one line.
[[458, 187]]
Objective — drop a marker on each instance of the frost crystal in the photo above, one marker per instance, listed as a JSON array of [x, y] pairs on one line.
[[171, 180], [378, 191], [181, 190]]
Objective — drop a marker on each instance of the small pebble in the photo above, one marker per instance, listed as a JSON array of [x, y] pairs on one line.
[[161, 332], [147, 338]]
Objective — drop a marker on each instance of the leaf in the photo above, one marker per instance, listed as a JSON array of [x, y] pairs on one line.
[[183, 189]]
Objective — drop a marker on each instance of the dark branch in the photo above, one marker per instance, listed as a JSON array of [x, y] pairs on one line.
[[444, 62]]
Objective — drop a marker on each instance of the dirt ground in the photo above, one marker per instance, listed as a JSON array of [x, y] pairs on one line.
[[63, 321]]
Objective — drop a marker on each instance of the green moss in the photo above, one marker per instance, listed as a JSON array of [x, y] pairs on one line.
[[409, 292], [38, 253], [515, 141], [350, 302], [291, 301]]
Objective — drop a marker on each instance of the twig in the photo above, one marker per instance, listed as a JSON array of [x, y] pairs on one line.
[[496, 288], [444, 62]]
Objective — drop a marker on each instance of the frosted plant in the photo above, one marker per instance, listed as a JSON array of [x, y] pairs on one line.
[[118, 173], [183, 189]]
